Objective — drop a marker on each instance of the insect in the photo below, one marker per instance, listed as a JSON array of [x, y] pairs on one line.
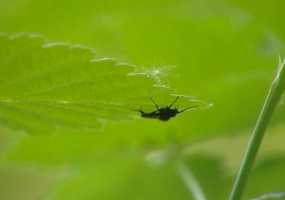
[[163, 113]]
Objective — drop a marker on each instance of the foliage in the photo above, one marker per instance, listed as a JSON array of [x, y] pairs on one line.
[[67, 124]]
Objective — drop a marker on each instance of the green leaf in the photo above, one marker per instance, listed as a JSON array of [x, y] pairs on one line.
[[133, 178], [222, 51], [49, 86]]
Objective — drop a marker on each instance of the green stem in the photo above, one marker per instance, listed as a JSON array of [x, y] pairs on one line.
[[272, 99], [190, 181]]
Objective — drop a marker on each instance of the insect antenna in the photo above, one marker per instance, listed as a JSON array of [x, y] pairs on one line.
[[173, 102], [188, 108], [155, 104]]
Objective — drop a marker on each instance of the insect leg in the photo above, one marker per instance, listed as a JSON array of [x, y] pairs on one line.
[[173, 102], [188, 108], [155, 104]]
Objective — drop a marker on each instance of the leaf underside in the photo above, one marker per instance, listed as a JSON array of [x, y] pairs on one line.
[[47, 86]]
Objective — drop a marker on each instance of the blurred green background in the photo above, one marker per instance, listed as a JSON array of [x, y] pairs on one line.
[[224, 52]]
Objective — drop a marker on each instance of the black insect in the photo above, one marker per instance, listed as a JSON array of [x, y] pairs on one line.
[[164, 113]]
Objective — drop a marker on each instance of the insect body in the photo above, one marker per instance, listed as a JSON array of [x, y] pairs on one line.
[[164, 113]]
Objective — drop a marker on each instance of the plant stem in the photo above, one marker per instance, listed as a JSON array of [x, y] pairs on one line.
[[190, 181], [272, 99]]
